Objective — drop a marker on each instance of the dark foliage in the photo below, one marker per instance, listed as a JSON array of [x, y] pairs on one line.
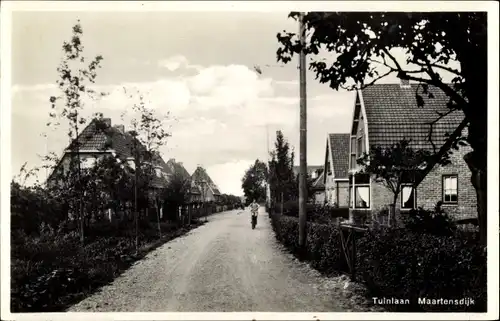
[[40, 284], [398, 263], [405, 264], [315, 212], [433, 222]]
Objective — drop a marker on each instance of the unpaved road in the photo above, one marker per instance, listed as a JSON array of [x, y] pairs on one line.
[[222, 266]]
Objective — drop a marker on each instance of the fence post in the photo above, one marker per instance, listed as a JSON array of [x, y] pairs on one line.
[[353, 255]]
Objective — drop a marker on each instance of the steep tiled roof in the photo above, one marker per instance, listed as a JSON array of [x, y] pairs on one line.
[[99, 138], [393, 114], [319, 183], [175, 167], [200, 174], [340, 154], [107, 138]]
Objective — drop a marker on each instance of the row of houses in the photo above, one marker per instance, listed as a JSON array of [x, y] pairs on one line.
[[384, 114], [95, 142]]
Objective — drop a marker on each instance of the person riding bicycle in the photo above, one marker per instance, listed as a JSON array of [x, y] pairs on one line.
[[254, 209]]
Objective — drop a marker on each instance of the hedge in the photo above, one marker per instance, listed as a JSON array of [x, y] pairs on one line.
[[315, 212], [323, 242], [399, 263]]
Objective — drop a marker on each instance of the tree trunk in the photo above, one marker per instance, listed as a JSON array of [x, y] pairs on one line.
[[479, 181], [392, 212], [82, 223]]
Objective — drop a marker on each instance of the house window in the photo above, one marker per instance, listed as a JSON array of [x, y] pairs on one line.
[[353, 153], [450, 189], [131, 163], [361, 191], [88, 162], [362, 196], [353, 161], [158, 172], [360, 146], [408, 197]]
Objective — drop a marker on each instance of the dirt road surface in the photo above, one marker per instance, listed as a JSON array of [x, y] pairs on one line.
[[223, 266]]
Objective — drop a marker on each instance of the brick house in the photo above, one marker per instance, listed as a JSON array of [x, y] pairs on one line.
[[98, 141], [385, 114], [336, 167], [172, 166], [314, 172], [202, 181], [318, 189]]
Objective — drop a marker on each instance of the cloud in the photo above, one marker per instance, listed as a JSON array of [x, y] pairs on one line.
[[177, 62], [286, 83]]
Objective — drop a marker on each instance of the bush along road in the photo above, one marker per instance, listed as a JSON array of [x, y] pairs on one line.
[[224, 266], [52, 272], [412, 263]]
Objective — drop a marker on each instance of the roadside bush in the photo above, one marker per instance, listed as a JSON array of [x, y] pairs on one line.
[[433, 222], [323, 243], [315, 212], [51, 270], [32, 206], [405, 264], [398, 263]]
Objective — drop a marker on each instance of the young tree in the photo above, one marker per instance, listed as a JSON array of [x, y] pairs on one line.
[[394, 165], [364, 44], [177, 192], [148, 135], [75, 77], [254, 181], [281, 177]]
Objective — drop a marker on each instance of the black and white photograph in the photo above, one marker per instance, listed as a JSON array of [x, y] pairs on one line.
[[249, 160]]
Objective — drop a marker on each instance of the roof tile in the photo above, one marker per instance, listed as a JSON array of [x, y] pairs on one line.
[[340, 154], [393, 114]]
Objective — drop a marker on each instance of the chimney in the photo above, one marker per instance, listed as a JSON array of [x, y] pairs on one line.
[[404, 83], [180, 163], [107, 121], [121, 128]]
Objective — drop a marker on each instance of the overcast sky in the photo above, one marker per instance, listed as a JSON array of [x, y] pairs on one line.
[[197, 66]]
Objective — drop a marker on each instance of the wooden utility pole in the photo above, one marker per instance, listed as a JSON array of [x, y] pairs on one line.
[[303, 138], [268, 193]]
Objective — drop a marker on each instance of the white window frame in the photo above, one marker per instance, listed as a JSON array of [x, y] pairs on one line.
[[88, 162], [443, 188], [352, 192], [403, 186]]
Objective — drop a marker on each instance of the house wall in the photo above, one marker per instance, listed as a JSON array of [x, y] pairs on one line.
[[429, 192], [343, 194], [84, 157], [319, 197], [207, 194], [330, 184]]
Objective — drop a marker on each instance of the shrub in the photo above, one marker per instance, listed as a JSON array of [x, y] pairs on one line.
[[40, 284], [433, 222], [406, 264], [323, 242], [399, 263], [315, 212]]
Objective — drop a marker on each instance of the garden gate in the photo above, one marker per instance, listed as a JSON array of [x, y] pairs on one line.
[[348, 236]]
